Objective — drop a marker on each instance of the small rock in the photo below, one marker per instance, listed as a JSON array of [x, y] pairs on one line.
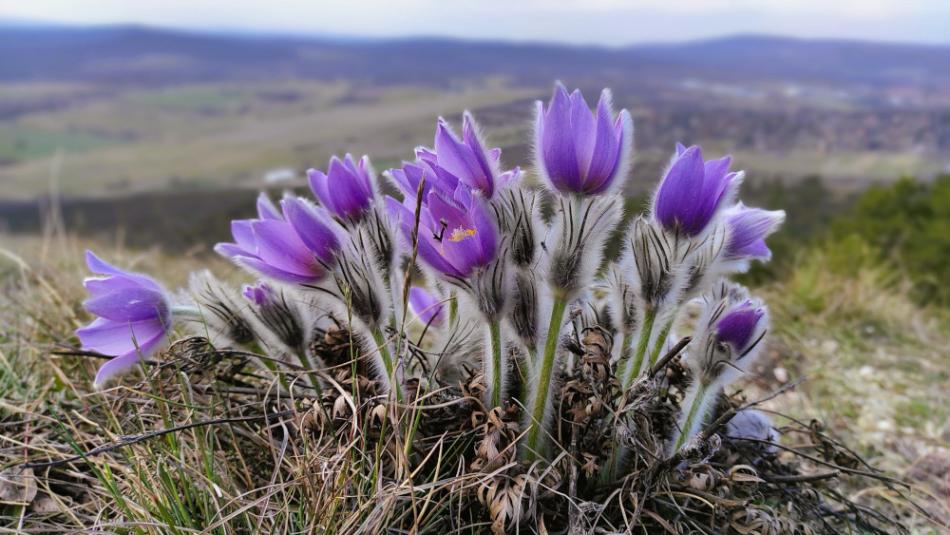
[[866, 371], [781, 374]]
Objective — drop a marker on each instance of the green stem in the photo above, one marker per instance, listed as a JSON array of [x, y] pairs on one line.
[[661, 341], [494, 331], [387, 362], [690, 417], [538, 409], [453, 309], [634, 367]]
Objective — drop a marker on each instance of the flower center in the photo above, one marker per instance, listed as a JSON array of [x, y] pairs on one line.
[[461, 233]]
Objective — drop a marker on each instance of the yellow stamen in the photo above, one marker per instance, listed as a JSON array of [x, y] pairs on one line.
[[460, 234]]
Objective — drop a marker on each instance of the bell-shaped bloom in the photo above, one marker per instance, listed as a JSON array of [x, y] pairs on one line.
[[259, 293], [295, 246], [346, 189], [742, 327], [693, 191], [134, 316], [577, 151], [747, 230], [463, 159], [429, 309], [457, 233]]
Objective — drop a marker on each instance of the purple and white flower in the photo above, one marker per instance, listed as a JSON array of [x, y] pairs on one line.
[[578, 152], [346, 189], [456, 235], [694, 191], [134, 317], [296, 246], [747, 230]]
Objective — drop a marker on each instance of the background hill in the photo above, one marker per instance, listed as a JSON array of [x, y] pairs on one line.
[[107, 120]]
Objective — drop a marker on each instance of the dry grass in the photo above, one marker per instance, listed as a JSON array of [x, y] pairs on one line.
[[255, 452]]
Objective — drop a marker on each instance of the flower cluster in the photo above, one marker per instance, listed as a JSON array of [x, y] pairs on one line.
[[465, 247]]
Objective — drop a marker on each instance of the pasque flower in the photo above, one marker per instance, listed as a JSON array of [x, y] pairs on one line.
[[456, 234], [134, 316], [692, 191], [346, 189], [729, 336], [259, 293], [296, 246], [577, 151], [429, 309], [465, 159], [747, 230]]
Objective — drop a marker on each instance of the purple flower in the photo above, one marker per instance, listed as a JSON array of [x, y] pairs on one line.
[[693, 191], [464, 160], [748, 228], [259, 293], [741, 327], [347, 187], [295, 246], [134, 316], [456, 233], [425, 305], [578, 152]]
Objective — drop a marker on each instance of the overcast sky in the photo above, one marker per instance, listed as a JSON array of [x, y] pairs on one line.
[[605, 22]]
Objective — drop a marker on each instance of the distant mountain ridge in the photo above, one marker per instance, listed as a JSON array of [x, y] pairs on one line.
[[128, 54]]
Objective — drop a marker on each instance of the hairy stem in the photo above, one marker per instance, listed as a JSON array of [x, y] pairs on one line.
[[544, 378], [497, 363], [695, 411], [388, 365], [661, 341], [634, 365]]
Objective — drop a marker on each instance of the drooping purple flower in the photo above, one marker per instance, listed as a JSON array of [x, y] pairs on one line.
[[578, 152], [748, 228], [741, 327], [693, 191], [465, 160], [426, 306], [295, 246], [134, 315], [259, 293], [457, 233], [346, 189]]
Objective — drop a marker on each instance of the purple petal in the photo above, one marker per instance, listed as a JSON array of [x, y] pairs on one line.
[[129, 304], [313, 227], [266, 270], [99, 266], [606, 153], [679, 194], [266, 208], [429, 309], [748, 228], [584, 130], [318, 185], [282, 248], [736, 326], [118, 338], [557, 144], [124, 363]]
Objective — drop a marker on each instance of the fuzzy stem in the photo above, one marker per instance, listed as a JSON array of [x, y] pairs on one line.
[[387, 363], [544, 378], [636, 364], [497, 363], [698, 401], [661, 340]]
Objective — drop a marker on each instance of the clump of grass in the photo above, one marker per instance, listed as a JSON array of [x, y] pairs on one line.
[[204, 442]]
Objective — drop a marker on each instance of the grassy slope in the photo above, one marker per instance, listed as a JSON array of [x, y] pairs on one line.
[[875, 367]]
